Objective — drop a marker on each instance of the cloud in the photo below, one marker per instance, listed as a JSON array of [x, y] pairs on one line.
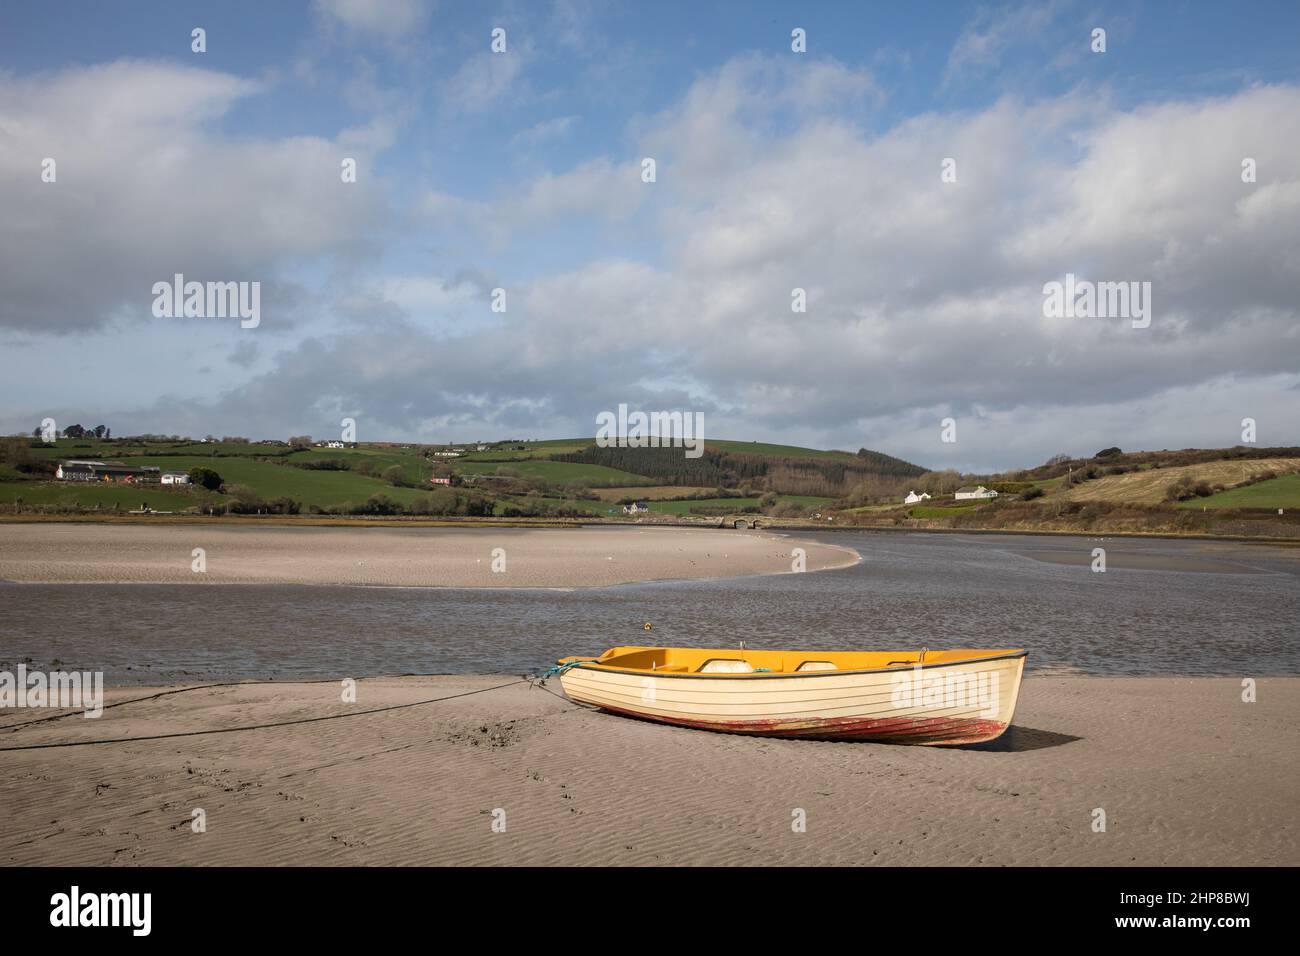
[[600, 188], [483, 81], [148, 187], [994, 31], [542, 131], [924, 297], [387, 20]]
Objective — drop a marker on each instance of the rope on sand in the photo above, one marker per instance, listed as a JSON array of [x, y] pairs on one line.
[[235, 730], [180, 690]]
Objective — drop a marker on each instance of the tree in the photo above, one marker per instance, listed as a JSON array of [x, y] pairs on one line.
[[14, 451], [74, 431], [300, 441], [99, 431], [206, 477], [394, 475], [1108, 453], [247, 498]]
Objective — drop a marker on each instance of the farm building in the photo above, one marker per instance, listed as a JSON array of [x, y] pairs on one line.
[[75, 471], [106, 471], [175, 478], [912, 497], [978, 491]]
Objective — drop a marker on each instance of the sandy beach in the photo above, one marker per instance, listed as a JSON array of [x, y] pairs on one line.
[[1185, 771], [397, 557]]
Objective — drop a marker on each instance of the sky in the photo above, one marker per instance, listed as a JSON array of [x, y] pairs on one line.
[[922, 172]]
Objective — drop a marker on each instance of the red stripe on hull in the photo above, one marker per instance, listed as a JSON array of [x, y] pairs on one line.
[[947, 731]]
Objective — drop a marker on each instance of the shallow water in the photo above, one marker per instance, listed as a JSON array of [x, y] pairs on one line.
[[1225, 609]]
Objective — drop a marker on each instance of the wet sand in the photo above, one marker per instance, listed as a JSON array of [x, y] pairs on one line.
[[397, 557], [1185, 771]]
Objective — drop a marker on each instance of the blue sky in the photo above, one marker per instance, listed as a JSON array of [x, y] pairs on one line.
[[521, 171]]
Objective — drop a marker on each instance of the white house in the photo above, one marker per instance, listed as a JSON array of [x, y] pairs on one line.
[[335, 444], [636, 508], [912, 497], [977, 492], [175, 478]]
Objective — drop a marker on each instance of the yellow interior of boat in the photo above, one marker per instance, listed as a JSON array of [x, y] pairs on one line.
[[693, 660]]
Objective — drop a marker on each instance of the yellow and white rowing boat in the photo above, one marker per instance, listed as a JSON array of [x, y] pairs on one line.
[[913, 697]]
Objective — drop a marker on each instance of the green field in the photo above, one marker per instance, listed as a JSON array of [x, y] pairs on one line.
[[538, 449], [274, 472], [271, 480], [1282, 492], [562, 446], [415, 469], [107, 495]]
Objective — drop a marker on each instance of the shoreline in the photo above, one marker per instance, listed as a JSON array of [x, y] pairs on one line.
[[778, 525], [1081, 533], [419, 785]]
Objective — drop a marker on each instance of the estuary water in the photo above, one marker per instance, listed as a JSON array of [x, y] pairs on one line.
[[1160, 607]]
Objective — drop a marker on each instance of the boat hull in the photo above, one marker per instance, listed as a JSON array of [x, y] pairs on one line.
[[946, 704]]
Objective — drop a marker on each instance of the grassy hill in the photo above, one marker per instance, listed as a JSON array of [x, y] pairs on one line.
[[1281, 492], [559, 476], [1150, 486], [1226, 491]]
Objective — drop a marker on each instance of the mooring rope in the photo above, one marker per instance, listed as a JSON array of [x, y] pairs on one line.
[[267, 726], [561, 668], [184, 690]]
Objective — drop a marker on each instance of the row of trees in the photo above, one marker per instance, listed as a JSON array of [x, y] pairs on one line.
[[471, 505], [77, 431]]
